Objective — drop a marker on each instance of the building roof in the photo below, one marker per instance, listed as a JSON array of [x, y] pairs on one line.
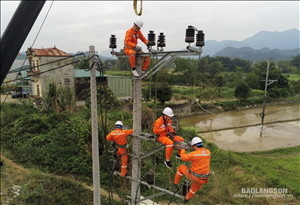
[[80, 73], [47, 52], [25, 67]]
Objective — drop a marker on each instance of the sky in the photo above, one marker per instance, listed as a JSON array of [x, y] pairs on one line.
[[73, 26]]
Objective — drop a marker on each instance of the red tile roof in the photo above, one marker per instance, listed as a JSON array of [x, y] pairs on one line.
[[49, 52]]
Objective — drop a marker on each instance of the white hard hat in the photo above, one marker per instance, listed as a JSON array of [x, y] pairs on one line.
[[139, 23], [119, 123], [196, 140], [168, 111]]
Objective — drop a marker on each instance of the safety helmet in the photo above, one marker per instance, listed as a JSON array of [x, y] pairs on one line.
[[139, 23], [196, 141], [119, 123], [168, 111]]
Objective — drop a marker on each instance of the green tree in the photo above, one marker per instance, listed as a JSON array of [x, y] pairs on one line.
[[106, 100], [123, 63], [296, 62], [59, 98], [162, 92], [242, 91], [187, 67]]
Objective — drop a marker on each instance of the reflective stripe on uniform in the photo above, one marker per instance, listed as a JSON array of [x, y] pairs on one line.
[[179, 174], [201, 154], [192, 191]]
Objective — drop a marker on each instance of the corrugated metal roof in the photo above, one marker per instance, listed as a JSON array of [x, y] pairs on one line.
[[80, 73], [49, 52], [25, 67]]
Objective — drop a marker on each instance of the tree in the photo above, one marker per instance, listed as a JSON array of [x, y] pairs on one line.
[[296, 62], [105, 98], [242, 91], [164, 92], [58, 98]]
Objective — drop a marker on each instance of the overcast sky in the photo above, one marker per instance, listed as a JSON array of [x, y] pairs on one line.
[[75, 25]]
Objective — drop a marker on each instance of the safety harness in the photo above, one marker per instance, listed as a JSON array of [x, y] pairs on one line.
[[125, 146], [204, 176]]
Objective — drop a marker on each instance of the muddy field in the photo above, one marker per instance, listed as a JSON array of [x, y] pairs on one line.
[[241, 130]]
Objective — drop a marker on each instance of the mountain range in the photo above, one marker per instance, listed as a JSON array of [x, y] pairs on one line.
[[263, 45]]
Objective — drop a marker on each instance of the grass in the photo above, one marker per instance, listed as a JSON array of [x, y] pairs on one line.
[[30, 186], [294, 77]]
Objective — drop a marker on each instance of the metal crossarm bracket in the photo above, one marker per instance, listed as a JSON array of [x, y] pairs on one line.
[[165, 191]]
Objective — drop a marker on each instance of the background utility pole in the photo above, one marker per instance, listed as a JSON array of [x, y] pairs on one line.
[[262, 115], [136, 142], [95, 143]]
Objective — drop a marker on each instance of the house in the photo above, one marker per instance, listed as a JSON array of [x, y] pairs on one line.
[[47, 65]]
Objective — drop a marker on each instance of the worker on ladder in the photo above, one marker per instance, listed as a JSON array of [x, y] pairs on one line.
[[199, 171], [167, 136], [118, 136], [131, 47]]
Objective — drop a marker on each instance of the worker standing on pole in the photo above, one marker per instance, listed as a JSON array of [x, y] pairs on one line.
[[199, 171], [118, 136], [167, 136], [131, 47]]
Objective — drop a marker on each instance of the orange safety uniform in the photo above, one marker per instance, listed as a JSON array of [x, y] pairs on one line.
[[119, 137], [200, 166], [131, 38], [159, 128]]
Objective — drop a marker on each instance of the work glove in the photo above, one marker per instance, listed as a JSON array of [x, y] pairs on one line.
[[174, 133], [166, 129], [148, 46]]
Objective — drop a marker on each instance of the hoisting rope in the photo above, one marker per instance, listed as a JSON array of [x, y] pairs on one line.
[[135, 8]]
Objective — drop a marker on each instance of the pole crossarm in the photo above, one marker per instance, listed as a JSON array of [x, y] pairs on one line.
[[165, 191]]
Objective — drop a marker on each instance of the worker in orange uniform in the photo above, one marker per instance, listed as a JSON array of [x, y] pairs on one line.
[[131, 48], [198, 173], [167, 136], [118, 136]]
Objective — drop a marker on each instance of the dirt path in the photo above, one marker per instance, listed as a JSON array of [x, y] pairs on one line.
[[14, 169]]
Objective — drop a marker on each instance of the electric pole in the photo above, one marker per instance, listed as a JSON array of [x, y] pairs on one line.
[[262, 115], [137, 129], [95, 143]]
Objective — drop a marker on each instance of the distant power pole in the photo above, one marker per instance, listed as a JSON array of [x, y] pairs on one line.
[[95, 143], [262, 115]]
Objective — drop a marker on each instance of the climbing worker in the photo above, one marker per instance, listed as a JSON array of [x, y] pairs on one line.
[[131, 47], [118, 136], [167, 136], [198, 173]]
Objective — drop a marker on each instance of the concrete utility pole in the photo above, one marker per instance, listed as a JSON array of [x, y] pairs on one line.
[[262, 115], [137, 129], [95, 143]]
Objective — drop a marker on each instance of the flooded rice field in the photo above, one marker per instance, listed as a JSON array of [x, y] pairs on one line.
[[241, 130]]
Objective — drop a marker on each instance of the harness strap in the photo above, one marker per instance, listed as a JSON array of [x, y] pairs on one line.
[[205, 176], [122, 146]]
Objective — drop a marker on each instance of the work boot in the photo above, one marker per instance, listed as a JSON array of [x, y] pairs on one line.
[[135, 73], [168, 164], [185, 201], [178, 156], [144, 73]]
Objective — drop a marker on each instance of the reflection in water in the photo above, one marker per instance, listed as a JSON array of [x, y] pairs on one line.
[[242, 117], [275, 135], [240, 131], [252, 139]]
